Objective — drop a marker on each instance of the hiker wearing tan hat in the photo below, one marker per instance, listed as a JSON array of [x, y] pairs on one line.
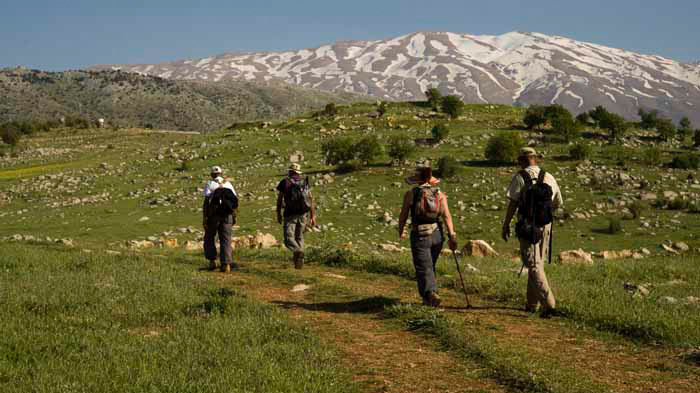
[[428, 209], [218, 218], [534, 194], [294, 202]]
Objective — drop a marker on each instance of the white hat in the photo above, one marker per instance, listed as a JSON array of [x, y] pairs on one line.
[[296, 168], [216, 170]]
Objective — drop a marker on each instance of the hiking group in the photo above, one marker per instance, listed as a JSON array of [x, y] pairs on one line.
[[533, 195]]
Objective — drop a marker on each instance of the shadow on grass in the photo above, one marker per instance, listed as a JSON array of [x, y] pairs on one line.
[[371, 305], [487, 164]]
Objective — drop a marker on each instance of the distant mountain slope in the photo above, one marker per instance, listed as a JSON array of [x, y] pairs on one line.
[[513, 68], [129, 99]]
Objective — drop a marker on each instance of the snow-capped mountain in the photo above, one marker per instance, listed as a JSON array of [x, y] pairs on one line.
[[513, 68]]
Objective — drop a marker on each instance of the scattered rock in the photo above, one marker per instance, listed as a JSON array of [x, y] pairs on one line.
[[193, 246], [169, 243], [144, 219], [479, 248], [668, 300], [331, 275], [301, 288], [621, 254], [692, 300], [636, 290], [681, 246], [575, 257]]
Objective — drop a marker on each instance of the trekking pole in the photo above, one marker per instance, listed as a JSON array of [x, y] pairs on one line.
[[551, 236], [464, 288]]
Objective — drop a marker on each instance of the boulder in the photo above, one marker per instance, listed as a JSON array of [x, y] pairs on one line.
[[670, 195], [263, 240], [621, 254], [169, 243], [296, 157], [389, 248], [575, 257], [647, 196], [479, 248], [681, 246], [636, 290], [193, 246], [141, 244], [668, 300], [301, 288]]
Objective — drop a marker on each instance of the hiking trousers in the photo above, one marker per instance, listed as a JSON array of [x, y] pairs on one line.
[[223, 228], [294, 227], [426, 251], [534, 258]]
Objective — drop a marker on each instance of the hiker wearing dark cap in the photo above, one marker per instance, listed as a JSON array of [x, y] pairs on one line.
[[534, 194], [430, 214], [220, 203], [294, 202]]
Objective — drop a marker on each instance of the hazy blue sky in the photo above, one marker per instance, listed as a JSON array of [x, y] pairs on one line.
[[56, 35]]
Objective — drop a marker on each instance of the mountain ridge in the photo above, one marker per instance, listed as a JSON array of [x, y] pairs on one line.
[[515, 68]]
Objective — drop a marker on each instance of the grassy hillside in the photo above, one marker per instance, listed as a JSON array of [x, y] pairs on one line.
[[124, 99], [101, 193]]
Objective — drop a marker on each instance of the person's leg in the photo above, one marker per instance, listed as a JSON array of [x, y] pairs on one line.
[[527, 258], [423, 263], [289, 234], [546, 297], [226, 252], [299, 229], [210, 243]]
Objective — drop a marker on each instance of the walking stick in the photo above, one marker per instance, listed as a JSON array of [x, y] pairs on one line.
[[469, 305]]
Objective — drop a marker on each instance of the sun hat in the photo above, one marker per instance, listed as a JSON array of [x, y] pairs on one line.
[[216, 170], [296, 168], [527, 152]]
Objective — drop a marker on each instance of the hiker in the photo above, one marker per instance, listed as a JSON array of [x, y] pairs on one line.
[[218, 217], [426, 205], [534, 194], [295, 200]]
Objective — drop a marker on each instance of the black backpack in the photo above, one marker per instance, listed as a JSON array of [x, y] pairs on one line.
[[297, 197], [535, 207], [223, 202]]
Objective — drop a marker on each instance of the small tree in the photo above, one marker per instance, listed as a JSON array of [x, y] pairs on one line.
[[9, 134], [330, 110], [580, 151], [440, 132], [554, 111], [614, 123], [447, 167], [583, 118], [434, 98], [648, 119], [368, 149], [665, 128], [566, 126], [696, 138], [452, 106], [381, 108], [598, 114], [651, 156], [400, 147], [685, 161], [504, 148], [338, 150], [684, 128], [535, 117]]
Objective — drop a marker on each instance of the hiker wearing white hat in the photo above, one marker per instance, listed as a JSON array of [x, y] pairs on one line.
[[218, 217], [427, 206], [294, 202], [534, 194]]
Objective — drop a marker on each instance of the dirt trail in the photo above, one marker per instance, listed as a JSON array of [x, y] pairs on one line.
[[389, 359]]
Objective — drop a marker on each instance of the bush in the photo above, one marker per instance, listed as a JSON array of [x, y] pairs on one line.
[[338, 150], [434, 98], [649, 119], [615, 153], [583, 118], [566, 126], [452, 106], [368, 149], [551, 112], [665, 128], [447, 167], [598, 114], [440, 132], [684, 128], [685, 161], [651, 156], [78, 122], [614, 123], [694, 207], [580, 151], [185, 166], [535, 117], [677, 204], [400, 147], [696, 138], [614, 225], [504, 148], [330, 110], [10, 135], [637, 208], [381, 108], [349, 166]]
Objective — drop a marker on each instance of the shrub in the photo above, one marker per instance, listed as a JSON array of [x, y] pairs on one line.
[[184, 166], [615, 153], [598, 114], [330, 110], [685, 161], [440, 132], [583, 118], [694, 207], [637, 208], [400, 147], [368, 149], [78, 122], [338, 150], [349, 166], [535, 117], [665, 128], [504, 148], [696, 138], [648, 119], [434, 98], [447, 167], [551, 112], [614, 123], [651, 156], [580, 151], [10, 135], [452, 106], [684, 128], [381, 109], [614, 225], [566, 126], [677, 204]]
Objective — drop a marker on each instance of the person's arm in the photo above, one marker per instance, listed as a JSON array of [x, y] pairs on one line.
[[512, 208], [280, 203], [205, 214], [447, 218], [405, 210]]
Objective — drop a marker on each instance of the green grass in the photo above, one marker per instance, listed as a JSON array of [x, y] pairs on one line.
[[85, 322]]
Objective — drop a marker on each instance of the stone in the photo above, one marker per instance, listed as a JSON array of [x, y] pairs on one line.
[[144, 219], [67, 242], [669, 249], [621, 254], [296, 157], [575, 257], [389, 248], [668, 300], [648, 196], [670, 195], [141, 244], [637, 290], [193, 246], [331, 275], [479, 248], [681, 246], [169, 243], [301, 288], [692, 300], [263, 240]]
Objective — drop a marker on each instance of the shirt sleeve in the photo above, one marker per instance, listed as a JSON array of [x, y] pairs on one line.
[[516, 185], [557, 199], [282, 186]]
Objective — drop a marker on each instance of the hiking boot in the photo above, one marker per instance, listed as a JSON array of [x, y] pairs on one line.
[[432, 300], [549, 313], [530, 310], [213, 265], [226, 268], [298, 259]]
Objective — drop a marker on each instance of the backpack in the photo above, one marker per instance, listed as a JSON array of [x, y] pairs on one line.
[[223, 202], [535, 207], [427, 205], [297, 197]]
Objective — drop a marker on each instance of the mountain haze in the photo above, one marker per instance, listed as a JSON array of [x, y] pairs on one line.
[[513, 68]]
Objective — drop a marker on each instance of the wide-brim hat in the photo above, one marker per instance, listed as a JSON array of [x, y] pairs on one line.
[[526, 152], [296, 168], [415, 179], [216, 170]]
